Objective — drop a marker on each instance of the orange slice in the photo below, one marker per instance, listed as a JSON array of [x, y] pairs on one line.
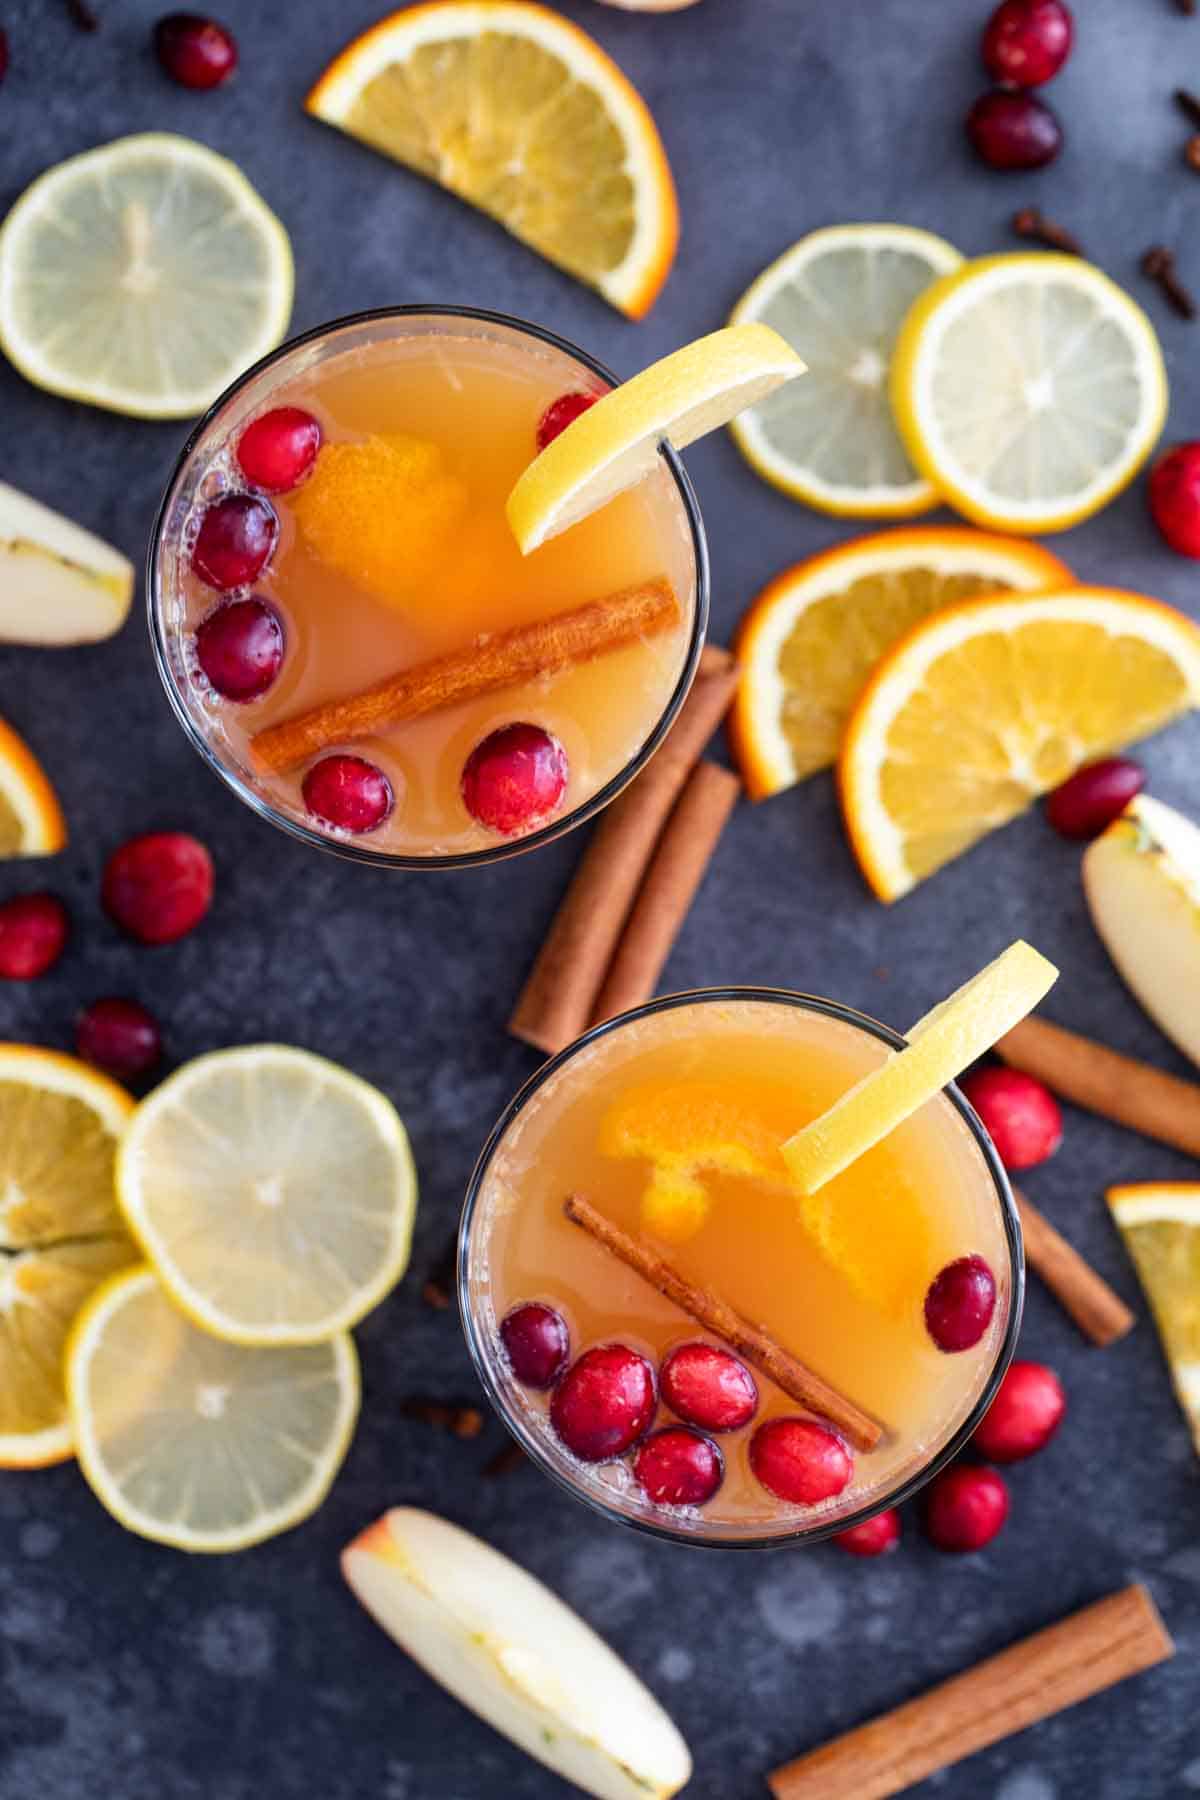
[[31, 819]]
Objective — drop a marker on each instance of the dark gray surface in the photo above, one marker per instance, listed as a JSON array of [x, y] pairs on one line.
[[131, 1672]]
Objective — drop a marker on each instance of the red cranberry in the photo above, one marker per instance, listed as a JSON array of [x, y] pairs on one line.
[[239, 646], [1024, 1416], [278, 449], [678, 1467], [1094, 796], [1026, 42], [604, 1402], [1175, 497], [195, 51], [118, 1036], [965, 1508], [1013, 131], [1020, 1115], [560, 413], [800, 1460], [874, 1537], [234, 543], [33, 935], [158, 887], [348, 793], [709, 1387], [960, 1304], [537, 1343], [515, 779]]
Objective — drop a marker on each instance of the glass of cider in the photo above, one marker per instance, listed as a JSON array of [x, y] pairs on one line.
[[664, 1125], [335, 526]]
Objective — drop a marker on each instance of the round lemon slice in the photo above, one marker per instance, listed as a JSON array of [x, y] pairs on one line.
[[143, 277], [1160, 1223], [31, 819], [1028, 389], [615, 442], [839, 297], [272, 1191], [196, 1443]]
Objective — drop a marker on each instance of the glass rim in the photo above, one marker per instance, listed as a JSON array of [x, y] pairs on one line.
[[530, 1441], [364, 853]]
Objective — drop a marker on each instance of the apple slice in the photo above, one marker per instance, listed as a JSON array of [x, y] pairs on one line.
[[1142, 882], [514, 1653], [58, 583]]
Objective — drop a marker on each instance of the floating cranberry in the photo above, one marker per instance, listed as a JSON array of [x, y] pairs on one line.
[[348, 793], [1094, 796], [560, 413], [1175, 497], [118, 1036], [158, 887], [1026, 42], [537, 1343], [708, 1387], [1020, 1115], [678, 1467], [965, 1508], [1013, 131], [239, 646], [604, 1403], [874, 1537], [278, 449], [1024, 1416], [33, 935], [515, 779], [234, 543], [960, 1304], [195, 51], [800, 1460]]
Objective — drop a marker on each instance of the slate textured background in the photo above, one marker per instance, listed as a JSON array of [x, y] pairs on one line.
[[131, 1672]]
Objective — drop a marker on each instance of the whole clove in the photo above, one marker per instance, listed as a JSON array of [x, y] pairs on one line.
[[1159, 264], [1188, 105], [437, 1290], [1030, 223], [82, 16], [1191, 152], [461, 1420], [505, 1462]]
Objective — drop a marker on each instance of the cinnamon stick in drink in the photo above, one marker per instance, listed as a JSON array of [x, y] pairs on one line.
[[502, 660], [1118, 1088], [1099, 1312]]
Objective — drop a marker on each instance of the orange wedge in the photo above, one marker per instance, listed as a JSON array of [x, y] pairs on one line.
[[31, 820]]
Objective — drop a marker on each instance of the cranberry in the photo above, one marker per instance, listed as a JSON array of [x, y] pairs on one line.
[[678, 1467], [1175, 497], [158, 887], [1094, 796], [800, 1460], [278, 449], [965, 1508], [348, 793], [1020, 1115], [120, 1037], [537, 1343], [195, 51], [560, 413], [234, 543], [515, 779], [874, 1537], [239, 646], [1026, 42], [33, 935], [1013, 131], [1024, 1416], [709, 1387], [960, 1304], [604, 1402]]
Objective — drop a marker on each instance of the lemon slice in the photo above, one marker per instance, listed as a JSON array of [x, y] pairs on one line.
[[272, 1191], [1160, 1223], [990, 703], [839, 297], [196, 1443], [1028, 389], [143, 277], [811, 638], [616, 441], [31, 819], [941, 1045], [521, 113]]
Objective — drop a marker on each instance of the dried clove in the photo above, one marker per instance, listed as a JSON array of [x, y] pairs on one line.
[[461, 1420], [505, 1462], [437, 1290], [1030, 223], [1191, 151], [82, 16], [1188, 104], [1159, 264]]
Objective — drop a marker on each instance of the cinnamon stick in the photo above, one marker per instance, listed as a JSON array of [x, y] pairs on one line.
[[501, 660], [1099, 1312], [1033, 1679], [1102, 1081], [684, 852], [559, 996], [751, 1342]]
